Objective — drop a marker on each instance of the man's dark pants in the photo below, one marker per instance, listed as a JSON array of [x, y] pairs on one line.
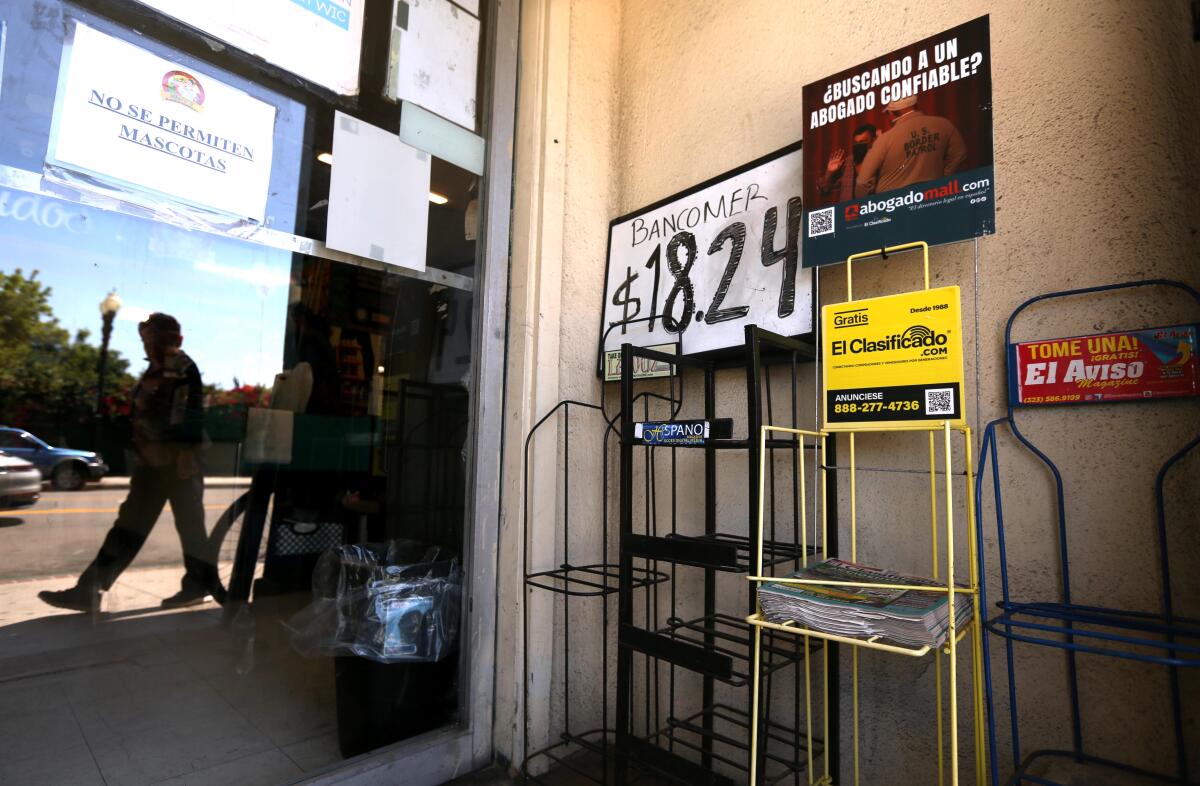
[[150, 488]]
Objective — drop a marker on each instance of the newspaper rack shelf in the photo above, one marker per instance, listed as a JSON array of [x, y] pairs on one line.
[[943, 524], [702, 734], [947, 737], [1157, 639], [584, 582]]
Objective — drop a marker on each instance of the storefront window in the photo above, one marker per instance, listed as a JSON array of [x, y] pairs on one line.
[[233, 463]]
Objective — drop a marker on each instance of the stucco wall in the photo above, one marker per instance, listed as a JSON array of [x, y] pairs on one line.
[[563, 195], [1096, 107]]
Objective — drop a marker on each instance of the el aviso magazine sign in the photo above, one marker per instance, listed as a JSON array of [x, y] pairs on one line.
[[127, 117], [1133, 365], [896, 359]]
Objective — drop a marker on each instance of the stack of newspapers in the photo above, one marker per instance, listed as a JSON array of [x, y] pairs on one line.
[[913, 618]]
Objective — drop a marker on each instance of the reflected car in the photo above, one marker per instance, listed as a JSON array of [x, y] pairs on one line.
[[20, 483], [66, 469]]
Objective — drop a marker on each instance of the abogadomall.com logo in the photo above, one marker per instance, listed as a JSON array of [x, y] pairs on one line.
[[952, 188], [854, 212]]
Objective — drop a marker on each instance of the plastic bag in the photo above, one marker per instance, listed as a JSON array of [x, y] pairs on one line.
[[392, 602]]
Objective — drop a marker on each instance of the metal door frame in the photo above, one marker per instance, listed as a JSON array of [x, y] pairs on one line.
[[445, 753]]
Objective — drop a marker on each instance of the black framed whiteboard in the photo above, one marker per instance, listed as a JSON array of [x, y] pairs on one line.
[[696, 267]]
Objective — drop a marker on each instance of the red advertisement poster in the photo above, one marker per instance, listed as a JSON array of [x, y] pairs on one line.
[[1132, 365]]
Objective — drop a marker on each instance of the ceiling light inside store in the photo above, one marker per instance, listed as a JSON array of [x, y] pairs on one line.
[[325, 158], [437, 198]]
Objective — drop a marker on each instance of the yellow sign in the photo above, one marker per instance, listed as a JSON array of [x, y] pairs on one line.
[[893, 360]]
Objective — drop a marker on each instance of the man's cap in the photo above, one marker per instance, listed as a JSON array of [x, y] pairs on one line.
[[162, 322], [902, 103]]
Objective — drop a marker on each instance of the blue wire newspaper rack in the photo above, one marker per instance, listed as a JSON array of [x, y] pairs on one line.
[[1163, 639]]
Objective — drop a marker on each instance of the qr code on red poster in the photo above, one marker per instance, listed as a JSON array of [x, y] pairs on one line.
[[939, 401], [820, 222]]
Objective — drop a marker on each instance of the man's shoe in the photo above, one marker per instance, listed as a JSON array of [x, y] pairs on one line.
[[76, 599], [186, 597]]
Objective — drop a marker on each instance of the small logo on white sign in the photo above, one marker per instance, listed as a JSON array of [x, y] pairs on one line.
[[183, 88]]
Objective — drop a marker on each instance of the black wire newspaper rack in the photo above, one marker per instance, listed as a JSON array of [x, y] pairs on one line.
[[583, 753], [683, 649], [685, 652]]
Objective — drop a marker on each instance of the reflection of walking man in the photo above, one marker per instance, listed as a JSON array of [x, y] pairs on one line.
[[168, 433], [918, 147]]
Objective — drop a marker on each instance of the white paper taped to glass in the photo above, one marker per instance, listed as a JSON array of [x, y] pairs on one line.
[[137, 122], [319, 40], [378, 195]]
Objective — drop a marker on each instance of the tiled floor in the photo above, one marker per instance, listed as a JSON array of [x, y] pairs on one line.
[[1068, 773], [580, 769], [148, 697], [494, 776], [1059, 771]]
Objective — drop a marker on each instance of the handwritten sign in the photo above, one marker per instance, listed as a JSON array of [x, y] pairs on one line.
[[699, 266]]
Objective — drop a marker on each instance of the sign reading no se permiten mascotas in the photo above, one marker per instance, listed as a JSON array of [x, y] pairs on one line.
[[129, 118]]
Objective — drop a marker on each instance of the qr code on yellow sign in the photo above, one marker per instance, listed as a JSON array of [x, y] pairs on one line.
[[939, 401]]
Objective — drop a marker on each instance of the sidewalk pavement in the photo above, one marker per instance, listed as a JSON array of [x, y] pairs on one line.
[[139, 590], [143, 695], [122, 482]]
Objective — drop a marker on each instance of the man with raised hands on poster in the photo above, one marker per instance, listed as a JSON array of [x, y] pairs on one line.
[[841, 171], [918, 147]]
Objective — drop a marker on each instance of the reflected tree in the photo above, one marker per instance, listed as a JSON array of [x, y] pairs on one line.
[[46, 375]]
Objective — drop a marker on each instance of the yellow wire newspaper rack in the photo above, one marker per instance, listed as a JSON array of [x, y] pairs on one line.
[[955, 635]]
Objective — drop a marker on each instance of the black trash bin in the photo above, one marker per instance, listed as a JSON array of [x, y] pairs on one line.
[[388, 613], [382, 703]]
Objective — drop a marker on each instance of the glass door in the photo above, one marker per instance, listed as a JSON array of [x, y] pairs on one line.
[[247, 480]]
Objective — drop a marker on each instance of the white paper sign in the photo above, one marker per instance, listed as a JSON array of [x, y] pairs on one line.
[[436, 58], [378, 195], [319, 40], [127, 116], [699, 266]]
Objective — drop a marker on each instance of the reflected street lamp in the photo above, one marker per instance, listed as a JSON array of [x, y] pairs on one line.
[[108, 312]]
